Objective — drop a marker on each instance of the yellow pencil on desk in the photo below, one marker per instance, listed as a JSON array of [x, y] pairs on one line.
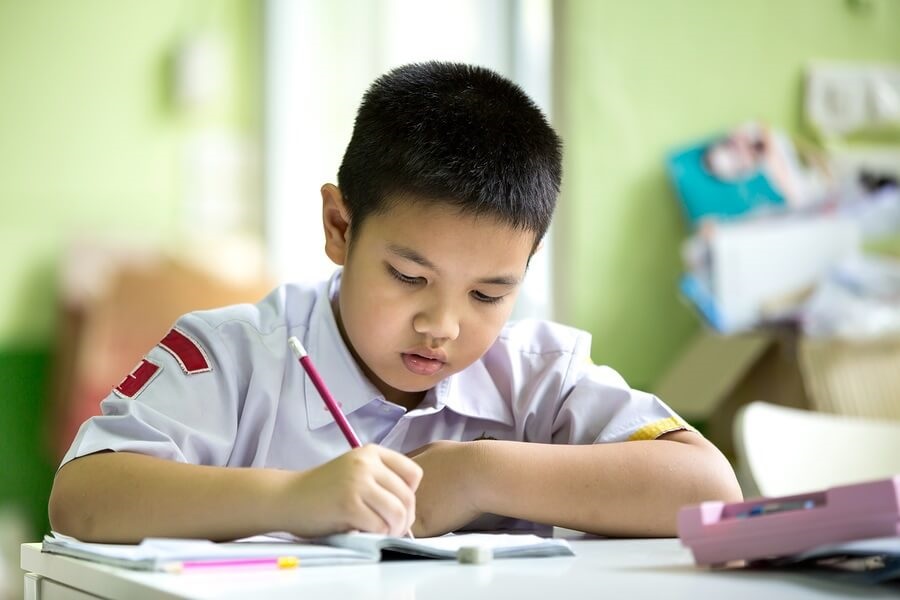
[[280, 562]]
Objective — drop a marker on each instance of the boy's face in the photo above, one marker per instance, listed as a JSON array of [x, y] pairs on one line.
[[424, 291]]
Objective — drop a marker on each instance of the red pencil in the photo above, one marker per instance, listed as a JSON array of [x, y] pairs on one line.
[[329, 400]]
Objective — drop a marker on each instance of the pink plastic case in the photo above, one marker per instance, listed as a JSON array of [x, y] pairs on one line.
[[718, 533]]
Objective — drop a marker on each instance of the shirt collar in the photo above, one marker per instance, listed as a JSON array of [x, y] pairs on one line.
[[334, 362], [474, 393]]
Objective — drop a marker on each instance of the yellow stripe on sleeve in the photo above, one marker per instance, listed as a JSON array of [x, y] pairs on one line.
[[653, 430]]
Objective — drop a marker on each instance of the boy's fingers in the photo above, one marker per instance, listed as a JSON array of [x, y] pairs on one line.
[[392, 515], [368, 518], [393, 484], [385, 492], [406, 468]]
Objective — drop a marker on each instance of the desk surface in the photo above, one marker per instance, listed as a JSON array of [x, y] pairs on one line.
[[633, 569]]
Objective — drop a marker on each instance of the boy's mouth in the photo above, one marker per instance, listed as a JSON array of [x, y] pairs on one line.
[[422, 365]]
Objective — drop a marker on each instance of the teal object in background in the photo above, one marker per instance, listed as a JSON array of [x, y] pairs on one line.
[[702, 194]]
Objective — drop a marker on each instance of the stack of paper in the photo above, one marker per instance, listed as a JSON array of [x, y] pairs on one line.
[[155, 554], [874, 560]]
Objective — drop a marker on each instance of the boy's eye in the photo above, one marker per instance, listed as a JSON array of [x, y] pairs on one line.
[[407, 279], [485, 298]]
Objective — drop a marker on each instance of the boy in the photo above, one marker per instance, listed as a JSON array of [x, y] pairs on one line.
[[446, 189]]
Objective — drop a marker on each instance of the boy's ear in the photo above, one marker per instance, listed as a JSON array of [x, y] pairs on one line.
[[336, 221]]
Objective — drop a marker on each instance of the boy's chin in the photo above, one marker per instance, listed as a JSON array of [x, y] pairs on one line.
[[413, 389], [415, 383]]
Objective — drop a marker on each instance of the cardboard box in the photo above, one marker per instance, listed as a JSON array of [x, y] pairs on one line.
[[716, 375]]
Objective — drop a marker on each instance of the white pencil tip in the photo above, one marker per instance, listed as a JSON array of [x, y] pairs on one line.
[[296, 346]]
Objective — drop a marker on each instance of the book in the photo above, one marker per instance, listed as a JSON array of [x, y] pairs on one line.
[[162, 554], [503, 545], [874, 560]]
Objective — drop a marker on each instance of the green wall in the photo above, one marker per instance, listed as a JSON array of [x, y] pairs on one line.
[[26, 474], [637, 78], [90, 143]]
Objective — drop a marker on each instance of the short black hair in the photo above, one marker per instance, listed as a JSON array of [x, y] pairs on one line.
[[452, 133]]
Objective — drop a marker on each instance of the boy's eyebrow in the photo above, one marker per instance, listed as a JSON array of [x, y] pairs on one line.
[[507, 280], [410, 254]]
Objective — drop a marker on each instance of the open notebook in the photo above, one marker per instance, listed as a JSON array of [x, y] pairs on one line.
[[155, 554]]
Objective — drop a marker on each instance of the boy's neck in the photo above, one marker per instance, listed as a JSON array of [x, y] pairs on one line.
[[408, 400]]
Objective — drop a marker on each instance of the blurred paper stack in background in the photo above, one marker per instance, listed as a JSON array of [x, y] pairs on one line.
[[793, 257], [771, 216]]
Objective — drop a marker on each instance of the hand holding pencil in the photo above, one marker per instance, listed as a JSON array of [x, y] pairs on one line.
[[369, 488]]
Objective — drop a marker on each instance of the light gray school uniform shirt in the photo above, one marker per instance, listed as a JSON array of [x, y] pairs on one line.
[[223, 388]]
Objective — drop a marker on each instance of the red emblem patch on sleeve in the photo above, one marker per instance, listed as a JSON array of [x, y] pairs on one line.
[[138, 379], [186, 351]]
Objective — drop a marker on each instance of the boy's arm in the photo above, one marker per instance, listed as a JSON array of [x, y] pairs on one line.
[[620, 489], [122, 497]]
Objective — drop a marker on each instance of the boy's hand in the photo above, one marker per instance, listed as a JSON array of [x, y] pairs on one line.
[[368, 489], [445, 499]]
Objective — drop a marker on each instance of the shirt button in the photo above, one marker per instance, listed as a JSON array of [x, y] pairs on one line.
[[386, 408]]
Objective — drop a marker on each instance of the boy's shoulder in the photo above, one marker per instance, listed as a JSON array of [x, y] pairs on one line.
[[289, 304], [537, 336]]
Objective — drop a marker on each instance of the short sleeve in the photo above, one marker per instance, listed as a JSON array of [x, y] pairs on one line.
[[599, 406], [181, 402]]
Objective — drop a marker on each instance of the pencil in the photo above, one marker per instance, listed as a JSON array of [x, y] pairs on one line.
[[280, 562], [327, 398]]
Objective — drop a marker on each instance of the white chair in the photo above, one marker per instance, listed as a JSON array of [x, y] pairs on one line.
[[783, 451]]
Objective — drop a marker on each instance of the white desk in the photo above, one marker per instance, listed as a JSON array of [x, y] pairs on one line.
[[632, 569]]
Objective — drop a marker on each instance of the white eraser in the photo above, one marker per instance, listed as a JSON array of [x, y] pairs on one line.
[[474, 555]]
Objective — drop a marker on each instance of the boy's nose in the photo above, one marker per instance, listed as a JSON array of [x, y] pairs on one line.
[[438, 322]]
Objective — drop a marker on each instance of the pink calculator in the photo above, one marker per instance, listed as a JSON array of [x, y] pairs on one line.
[[719, 532]]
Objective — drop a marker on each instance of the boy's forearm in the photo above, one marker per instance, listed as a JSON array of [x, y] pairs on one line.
[[622, 489], [123, 497]]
